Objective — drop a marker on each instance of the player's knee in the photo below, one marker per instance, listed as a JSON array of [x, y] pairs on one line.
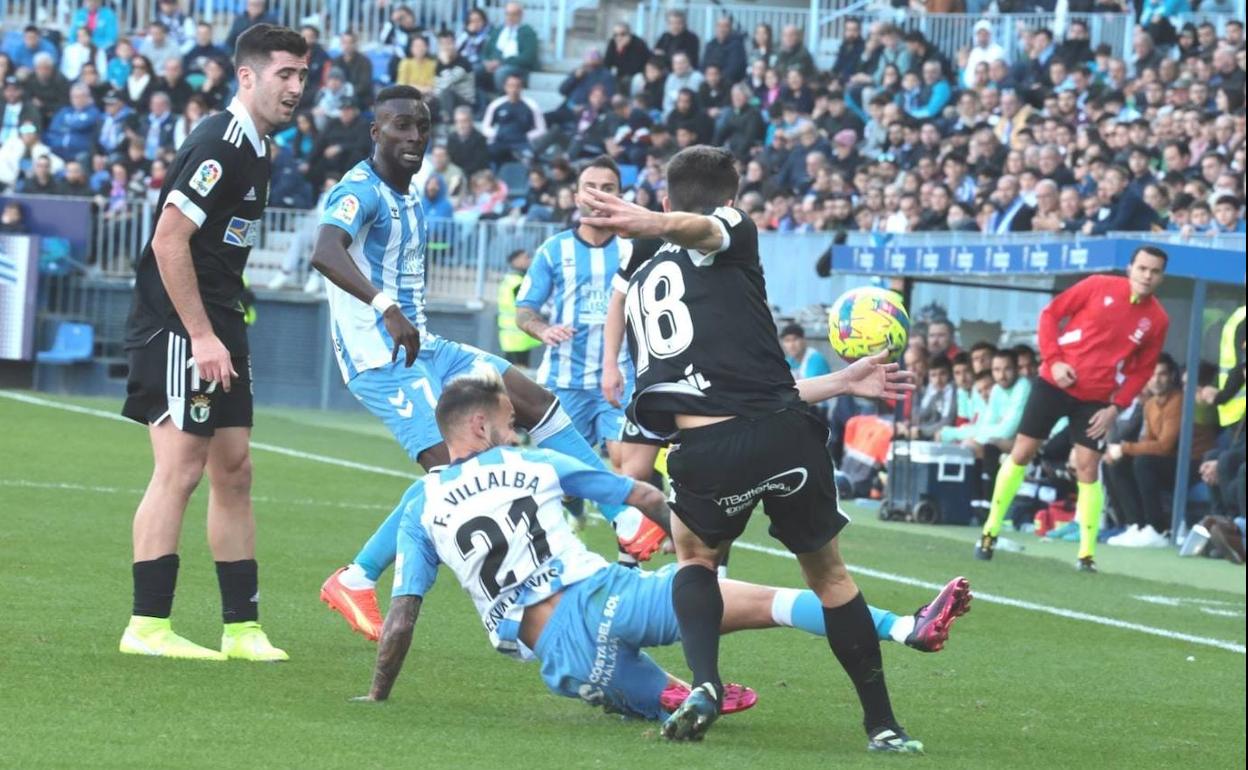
[[1087, 469], [233, 475], [830, 583], [178, 478]]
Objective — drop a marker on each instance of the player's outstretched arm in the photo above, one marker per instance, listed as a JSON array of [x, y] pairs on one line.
[[396, 639], [330, 258], [870, 377], [691, 231]]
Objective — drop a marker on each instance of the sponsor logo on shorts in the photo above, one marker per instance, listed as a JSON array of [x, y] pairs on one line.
[[782, 484], [206, 177], [201, 407], [242, 232]]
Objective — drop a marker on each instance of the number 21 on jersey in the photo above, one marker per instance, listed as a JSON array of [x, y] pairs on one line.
[[659, 318]]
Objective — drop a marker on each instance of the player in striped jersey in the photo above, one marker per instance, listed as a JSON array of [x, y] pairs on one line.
[[492, 517], [572, 272], [371, 247]]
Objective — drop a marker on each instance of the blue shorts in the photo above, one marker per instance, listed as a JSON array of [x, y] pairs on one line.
[[591, 647], [592, 415], [405, 397]]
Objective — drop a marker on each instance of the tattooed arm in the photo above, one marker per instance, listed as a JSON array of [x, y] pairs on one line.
[[396, 638]]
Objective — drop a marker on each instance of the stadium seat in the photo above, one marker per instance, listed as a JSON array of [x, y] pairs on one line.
[[74, 343], [380, 59], [628, 175], [516, 177]]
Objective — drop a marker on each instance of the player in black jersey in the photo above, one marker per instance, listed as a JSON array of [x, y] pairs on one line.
[[711, 377], [190, 375]]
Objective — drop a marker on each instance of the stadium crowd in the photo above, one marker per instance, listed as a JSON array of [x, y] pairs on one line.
[[896, 136]]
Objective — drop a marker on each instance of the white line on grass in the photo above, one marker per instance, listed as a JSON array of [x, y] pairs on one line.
[[73, 487], [891, 577]]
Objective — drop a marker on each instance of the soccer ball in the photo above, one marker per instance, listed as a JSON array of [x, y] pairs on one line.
[[866, 320]]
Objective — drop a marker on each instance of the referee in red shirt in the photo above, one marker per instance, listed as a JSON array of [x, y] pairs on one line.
[[1100, 340]]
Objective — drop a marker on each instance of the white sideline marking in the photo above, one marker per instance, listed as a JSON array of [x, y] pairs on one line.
[[891, 577], [72, 487]]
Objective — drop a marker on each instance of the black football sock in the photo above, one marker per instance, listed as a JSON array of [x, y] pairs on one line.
[[154, 582], [240, 590], [852, 637], [699, 610]]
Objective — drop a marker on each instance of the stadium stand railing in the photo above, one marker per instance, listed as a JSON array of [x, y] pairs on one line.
[[823, 23], [466, 259], [332, 17]]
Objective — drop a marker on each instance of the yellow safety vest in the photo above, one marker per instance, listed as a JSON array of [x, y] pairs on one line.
[[510, 338], [1232, 411]]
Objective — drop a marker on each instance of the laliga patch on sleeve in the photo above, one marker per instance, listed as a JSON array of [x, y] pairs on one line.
[[206, 177], [346, 209], [729, 215]]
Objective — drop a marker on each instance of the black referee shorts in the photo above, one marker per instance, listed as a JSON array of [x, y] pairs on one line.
[[1048, 403], [163, 384], [720, 472]]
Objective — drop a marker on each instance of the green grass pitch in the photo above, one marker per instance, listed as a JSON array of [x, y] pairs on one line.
[[1016, 687]]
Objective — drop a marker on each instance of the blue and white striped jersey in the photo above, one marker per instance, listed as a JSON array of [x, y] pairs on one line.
[[496, 520], [388, 234], [576, 279]]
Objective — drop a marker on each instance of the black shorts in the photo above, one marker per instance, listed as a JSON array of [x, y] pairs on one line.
[[633, 435], [720, 472], [162, 385], [1048, 403]]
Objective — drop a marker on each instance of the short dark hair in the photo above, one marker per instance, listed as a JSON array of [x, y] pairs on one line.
[[1229, 200], [260, 42], [1167, 360], [793, 330], [1022, 349], [961, 359], [984, 375], [602, 161], [945, 322], [1008, 354], [978, 346], [480, 390], [398, 92], [515, 255], [939, 362], [1152, 251], [701, 179]]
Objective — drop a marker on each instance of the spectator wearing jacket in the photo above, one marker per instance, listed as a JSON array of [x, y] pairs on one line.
[[512, 48], [1122, 209], [71, 134], [677, 39], [936, 403], [626, 56], [995, 428], [99, 20], [726, 50]]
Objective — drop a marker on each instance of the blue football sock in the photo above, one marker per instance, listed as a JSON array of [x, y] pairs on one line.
[[556, 432], [378, 553], [802, 609]]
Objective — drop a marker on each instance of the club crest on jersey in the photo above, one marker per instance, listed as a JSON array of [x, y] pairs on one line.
[[206, 177], [201, 407], [346, 209], [241, 232]]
